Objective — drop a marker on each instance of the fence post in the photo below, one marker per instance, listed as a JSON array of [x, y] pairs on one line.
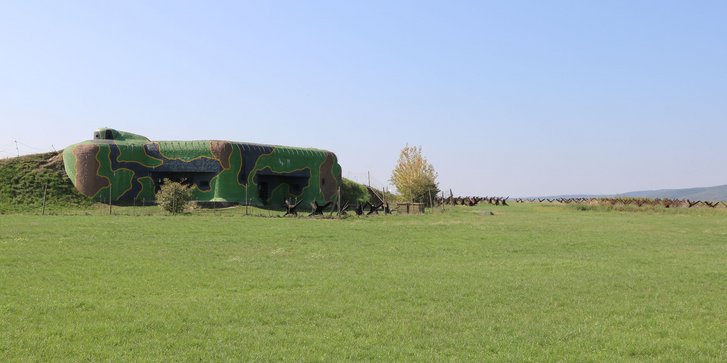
[[45, 188], [431, 203]]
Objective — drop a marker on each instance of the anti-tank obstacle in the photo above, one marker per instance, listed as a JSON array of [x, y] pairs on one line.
[[290, 208]]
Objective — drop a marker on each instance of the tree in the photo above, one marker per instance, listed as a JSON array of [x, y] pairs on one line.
[[173, 197], [413, 176]]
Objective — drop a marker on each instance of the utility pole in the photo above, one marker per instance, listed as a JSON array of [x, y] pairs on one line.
[[16, 148]]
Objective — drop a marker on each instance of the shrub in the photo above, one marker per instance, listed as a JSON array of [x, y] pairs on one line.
[[173, 197]]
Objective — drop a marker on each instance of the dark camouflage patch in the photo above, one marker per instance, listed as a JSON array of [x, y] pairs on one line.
[[87, 180], [222, 150]]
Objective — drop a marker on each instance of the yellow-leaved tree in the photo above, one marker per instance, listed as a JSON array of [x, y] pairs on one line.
[[414, 177]]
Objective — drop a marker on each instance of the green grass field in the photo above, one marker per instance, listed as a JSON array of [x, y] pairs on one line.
[[531, 283]]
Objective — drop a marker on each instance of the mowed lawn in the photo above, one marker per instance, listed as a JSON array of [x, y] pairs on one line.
[[533, 282]]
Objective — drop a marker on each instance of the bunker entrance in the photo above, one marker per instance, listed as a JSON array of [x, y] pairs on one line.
[[200, 180], [267, 183]]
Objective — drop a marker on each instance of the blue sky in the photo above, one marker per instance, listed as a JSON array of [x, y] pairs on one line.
[[506, 98]]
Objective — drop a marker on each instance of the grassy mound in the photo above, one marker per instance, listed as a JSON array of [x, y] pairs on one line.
[[24, 179], [353, 192]]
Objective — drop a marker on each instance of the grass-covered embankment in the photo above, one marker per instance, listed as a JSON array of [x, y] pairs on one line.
[[25, 179]]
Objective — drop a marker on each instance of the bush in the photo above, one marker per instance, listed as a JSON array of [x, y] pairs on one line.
[[173, 197]]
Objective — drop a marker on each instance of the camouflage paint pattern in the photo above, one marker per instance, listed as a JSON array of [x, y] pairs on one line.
[[130, 167]]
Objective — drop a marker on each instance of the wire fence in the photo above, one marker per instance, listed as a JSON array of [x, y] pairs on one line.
[[367, 178], [15, 148]]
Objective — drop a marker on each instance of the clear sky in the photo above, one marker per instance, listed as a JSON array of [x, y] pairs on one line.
[[506, 98]]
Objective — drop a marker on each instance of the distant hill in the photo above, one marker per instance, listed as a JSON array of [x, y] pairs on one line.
[[571, 196], [717, 193]]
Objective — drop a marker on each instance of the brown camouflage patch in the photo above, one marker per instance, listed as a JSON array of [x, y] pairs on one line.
[[222, 151], [88, 181], [328, 180]]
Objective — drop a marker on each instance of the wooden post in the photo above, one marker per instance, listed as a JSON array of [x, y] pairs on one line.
[[45, 188], [339, 202], [246, 202], [110, 197], [431, 203]]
